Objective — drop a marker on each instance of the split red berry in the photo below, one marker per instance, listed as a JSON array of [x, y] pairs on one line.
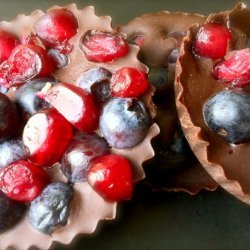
[[25, 62], [212, 41], [111, 177], [7, 43], [235, 69], [23, 181], [46, 137], [128, 82], [56, 28], [75, 104], [101, 46]]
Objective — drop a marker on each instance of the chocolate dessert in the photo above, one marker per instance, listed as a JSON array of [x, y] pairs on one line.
[[74, 133], [212, 93], [159, 36]]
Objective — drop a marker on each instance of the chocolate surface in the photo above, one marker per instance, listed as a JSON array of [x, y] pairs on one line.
[[172, 169], [228, 164], [87, 207]]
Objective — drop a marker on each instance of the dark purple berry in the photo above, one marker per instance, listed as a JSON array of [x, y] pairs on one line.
[[173, 56], [91, 76], [101, 91], [79, 153], [158, 76], [26, 95], [12, 150], [124, 122], [8, 118], [10, 212], [51, 209], [228, 114], [61, 60]]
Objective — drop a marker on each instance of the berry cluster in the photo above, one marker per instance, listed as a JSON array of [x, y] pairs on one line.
[[45, 121], [227, 112]]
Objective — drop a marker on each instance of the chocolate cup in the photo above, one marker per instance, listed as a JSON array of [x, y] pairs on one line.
[[160, 34], [87, 207], [228, 164]]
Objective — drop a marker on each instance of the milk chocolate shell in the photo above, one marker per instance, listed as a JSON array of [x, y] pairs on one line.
[[195, 84], [159, 36], [87, 207]]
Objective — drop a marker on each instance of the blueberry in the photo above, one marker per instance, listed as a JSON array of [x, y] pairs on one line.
[[91, 76], [124, 122], [79, 153], [12, 150], [10, 212], [51, 208], [173, 56], [101, 91], [158, 76], [8, 118], [61, 60], [26, 95], [228, 114]]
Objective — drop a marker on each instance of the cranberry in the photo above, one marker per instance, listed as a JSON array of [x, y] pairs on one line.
[[32, 40], [128, 82], [212, 40], [46, 137], [75, 104], [56, 28], [100, 46], [235, 68], [25, 62], [8, 118], [23, 181], [111, 177], [7, 43]]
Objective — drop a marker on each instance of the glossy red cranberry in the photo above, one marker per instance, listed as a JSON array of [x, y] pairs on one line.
[[235, 69], [212, 40], [46, 137], [32, 40], [56, 28], [8, 118], [23, 181], [7, 43], [128, 82], [100, 46], [111, 177], [26, 62], [75, 104]]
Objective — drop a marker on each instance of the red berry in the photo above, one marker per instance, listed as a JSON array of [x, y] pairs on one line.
[[235, 68], [128, 82], [111, 177], [75, 104], [7, 43], [25, 62], [100, 46], [212, 40], [46, 137], [23, 181], [56, 28]]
